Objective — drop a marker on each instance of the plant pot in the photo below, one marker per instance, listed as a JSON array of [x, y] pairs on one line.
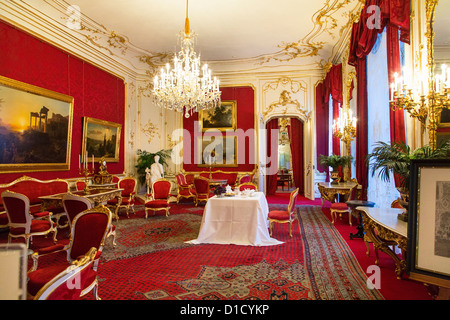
[[404, 202], [334, 175]]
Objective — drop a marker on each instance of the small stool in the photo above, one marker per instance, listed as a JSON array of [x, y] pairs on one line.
[[359, 203]]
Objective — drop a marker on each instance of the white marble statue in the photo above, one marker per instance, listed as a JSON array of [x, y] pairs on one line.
[[156, 171]]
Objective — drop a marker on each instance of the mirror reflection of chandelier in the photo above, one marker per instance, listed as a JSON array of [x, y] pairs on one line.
[[182, 88]]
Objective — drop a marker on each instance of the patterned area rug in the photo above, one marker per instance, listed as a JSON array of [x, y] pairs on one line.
[[135, 237], [152, 262]]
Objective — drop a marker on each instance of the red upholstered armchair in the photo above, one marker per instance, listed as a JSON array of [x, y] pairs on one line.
[[248, 185], [341, 207], [128, 194], [201, 190], [68, 284], [89, 230], [246, 178], [21, 223], [80, 184], [280, 216], [74, 205], [159, 197], [185, 190]]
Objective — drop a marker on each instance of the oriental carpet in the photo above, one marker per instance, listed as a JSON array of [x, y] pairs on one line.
[[152, 262]]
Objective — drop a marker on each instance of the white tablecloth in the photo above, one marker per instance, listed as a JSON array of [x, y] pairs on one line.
[[236, 220]]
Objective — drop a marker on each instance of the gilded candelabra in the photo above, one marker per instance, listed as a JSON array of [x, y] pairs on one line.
[[345, 129], [85, 171], [420, 105]]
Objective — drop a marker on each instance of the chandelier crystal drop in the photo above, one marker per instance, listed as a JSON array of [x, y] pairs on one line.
[[187, 87]]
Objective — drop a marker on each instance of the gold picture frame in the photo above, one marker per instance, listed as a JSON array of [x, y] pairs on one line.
[[35, 128], [221, 152], [101, 139], [222, 118]]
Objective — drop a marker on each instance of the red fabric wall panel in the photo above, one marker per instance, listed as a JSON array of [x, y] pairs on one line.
[[96, 93], [245, 98]]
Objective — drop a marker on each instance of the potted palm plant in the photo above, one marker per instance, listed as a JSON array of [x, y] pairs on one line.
[[146, 159], [334, 162], [395, 158]]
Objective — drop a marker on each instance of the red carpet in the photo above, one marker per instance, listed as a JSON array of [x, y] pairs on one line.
[[314, 265], [276, 272], [391, 287]]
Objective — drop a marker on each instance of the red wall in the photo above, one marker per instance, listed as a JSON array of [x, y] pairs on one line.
[[96, 93], [245, 99]]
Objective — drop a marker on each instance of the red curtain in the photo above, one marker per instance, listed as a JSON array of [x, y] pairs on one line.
[[394, 14], [394, 66], [322, 116], [362, 42], [333, 87], [273, 155], [296, 138]]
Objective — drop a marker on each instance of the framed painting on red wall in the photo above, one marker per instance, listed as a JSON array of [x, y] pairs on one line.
[[222, 118], [101, 139], [35, 128], [217, 151]]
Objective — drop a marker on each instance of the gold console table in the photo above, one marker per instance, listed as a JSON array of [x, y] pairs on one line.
[[383, 228], [330, 191]]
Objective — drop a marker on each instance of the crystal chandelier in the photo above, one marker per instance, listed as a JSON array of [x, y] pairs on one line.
[[182, 88]]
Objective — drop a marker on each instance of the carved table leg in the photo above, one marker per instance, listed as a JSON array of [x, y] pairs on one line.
[[381, 241]]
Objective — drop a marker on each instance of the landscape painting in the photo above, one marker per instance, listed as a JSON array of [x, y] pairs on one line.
[[101, 139], [222, 118], [35, 128], [217, 151]]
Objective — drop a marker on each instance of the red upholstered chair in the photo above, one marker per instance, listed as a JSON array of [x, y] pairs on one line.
[[341, 207], [201, 190], [184, 189], [247, 185], [288, 216], [129, 186], [74, 204], [80, 184], [89, 230], [4, 223], [21, 223], [68, 284], [159, 197], [115, 179], [244, 179]]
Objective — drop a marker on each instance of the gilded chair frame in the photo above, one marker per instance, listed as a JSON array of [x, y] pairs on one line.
[[180, 188], [27, 235], [197, 200], [153, 197], [355, 189], [63, 278], [248, 184], [290, 209], [90, 205], [131, 196]]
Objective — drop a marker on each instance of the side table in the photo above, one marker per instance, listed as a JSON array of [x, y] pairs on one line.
[[359, 203]]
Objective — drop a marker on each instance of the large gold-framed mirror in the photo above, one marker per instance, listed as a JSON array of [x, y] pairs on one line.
[[438, 37]]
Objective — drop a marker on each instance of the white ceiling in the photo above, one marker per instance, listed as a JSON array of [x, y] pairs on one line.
[[226, 29]]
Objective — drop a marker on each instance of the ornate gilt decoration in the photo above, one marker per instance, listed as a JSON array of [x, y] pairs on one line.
[[382, 238], [284, 102], [324, 22], [151, 131]]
